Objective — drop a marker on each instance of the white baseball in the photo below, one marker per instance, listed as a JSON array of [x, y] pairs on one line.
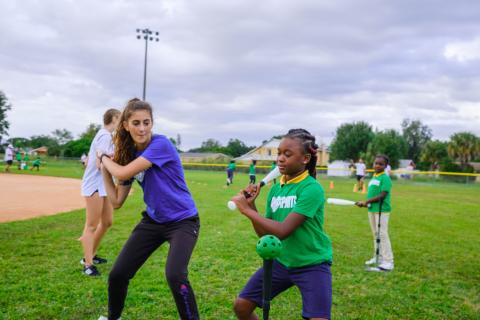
[[231, 205]]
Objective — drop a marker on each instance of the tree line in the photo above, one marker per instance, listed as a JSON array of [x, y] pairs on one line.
[[351, 142], [357, 140], [62, 143]]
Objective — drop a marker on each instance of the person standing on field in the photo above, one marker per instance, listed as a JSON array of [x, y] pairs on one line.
[[379, 207], [169, 213], [360, 173], [99, 210], [230, 170], [252, 172], [8, 157]]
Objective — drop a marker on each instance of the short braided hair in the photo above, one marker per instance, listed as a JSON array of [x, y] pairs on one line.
[[384, 157]]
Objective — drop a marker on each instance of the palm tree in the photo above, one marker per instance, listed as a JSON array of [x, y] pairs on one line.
[[434, 152], [464, 146]]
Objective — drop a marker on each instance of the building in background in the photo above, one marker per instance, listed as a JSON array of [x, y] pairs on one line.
[[268, 152], [203, 157], [42, 151]]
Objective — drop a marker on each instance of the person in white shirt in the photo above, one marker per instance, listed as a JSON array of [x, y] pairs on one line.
[[99, 210], [388, 169], [8, 157], [360, 168], [83, 160]]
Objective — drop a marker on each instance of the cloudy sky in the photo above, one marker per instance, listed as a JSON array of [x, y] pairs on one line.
[[243, 69]]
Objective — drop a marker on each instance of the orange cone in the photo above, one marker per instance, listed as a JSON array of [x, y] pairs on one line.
[[331, 184], [364, 189], [355, 188]]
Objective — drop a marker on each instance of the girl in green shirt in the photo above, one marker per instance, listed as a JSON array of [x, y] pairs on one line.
[[252, 172], [295, 215], [379, 207], [230, 169]]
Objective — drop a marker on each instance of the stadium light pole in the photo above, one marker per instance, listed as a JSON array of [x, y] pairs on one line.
[[147, 35]]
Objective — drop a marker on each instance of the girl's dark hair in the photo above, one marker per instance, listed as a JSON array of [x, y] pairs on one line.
[[254, 161], [109, 115], [124, 145], [384, 157], [309, 147]]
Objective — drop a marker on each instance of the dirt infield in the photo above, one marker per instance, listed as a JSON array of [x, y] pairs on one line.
[[27, 196]]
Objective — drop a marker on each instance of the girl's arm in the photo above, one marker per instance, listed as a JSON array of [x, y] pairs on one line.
[[281, 230], [125, 173], [265, 226], [116, 194], [378, 198]]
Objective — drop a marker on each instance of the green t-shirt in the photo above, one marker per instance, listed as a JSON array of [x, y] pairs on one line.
[[232, 166], [251, 170], [18, 156], [377, 184], [308, 244], [36, 162]]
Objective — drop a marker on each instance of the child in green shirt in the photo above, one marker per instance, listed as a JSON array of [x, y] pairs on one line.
[[295, 214], [379, 207], [36, 164], [252, 172], [230, 169]]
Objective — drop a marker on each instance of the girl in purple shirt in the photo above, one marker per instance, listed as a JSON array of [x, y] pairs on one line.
[[170, 214]]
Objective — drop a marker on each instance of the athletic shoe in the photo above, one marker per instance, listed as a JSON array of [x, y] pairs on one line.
[[386, 266], [105, 318], [91, 271], [96, 260], [371, 261]]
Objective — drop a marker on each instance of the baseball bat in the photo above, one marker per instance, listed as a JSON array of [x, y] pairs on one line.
[[340, 202], [275, 173]]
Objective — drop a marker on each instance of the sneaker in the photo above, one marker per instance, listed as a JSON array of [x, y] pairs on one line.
[[386, 266], [105, 318], [96, 260], [91, 271], [371, 261]]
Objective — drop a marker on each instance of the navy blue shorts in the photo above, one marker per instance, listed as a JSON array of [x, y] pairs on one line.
[[314, 282]]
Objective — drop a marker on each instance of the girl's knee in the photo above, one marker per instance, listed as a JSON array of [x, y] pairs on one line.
[[117, 276], [107, 223], [90, 228], [243, 307], [175, 277]]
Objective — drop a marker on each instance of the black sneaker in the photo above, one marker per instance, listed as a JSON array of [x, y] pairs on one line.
[[91, 271], [96, 260]]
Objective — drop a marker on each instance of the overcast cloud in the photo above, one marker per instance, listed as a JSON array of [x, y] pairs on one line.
[[243, 69]]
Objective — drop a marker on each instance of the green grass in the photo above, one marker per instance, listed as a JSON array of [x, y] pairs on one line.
[[50, 167], [433, 228]]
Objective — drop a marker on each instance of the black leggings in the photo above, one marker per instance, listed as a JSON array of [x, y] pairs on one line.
[[147, 236]]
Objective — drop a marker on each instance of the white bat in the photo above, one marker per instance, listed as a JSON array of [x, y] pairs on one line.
[[275, 173], [340, 202]]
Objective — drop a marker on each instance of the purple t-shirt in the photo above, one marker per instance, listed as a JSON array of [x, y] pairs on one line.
[[164, 189]]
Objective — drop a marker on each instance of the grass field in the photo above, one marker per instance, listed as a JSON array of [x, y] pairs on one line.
[[433, 228]]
